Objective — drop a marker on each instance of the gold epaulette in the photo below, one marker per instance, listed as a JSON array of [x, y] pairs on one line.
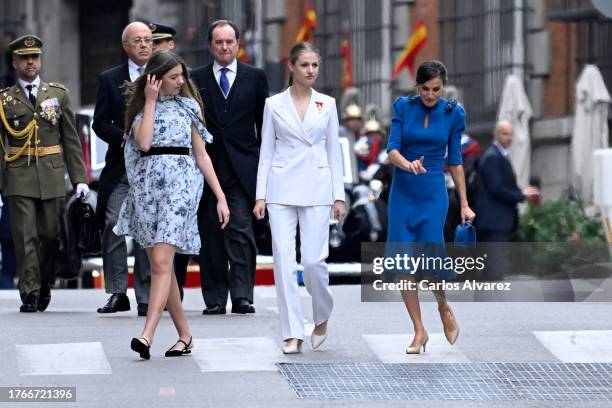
[[57, 85]]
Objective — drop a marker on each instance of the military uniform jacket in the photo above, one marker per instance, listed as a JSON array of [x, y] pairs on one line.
[[43, 179]]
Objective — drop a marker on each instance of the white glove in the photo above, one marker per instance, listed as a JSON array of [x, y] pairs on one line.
[[82, 188], [1, 203]]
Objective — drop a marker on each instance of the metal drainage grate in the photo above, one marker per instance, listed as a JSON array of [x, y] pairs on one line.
[[471, 381]]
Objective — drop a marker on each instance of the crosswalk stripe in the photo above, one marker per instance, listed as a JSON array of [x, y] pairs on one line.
[[238, 354], [9, 295], [578, 346], [62, 359], [391, 348]]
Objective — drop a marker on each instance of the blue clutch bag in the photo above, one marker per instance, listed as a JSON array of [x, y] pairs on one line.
[[465, 234]]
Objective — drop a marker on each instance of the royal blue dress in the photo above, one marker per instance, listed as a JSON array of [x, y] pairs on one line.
[[418, 203]]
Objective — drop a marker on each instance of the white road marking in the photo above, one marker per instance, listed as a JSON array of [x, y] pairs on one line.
[[578, 346], [391, 348], [62, 359], [238, 354]]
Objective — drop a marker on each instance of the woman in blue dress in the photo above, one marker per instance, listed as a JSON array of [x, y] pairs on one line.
[[165, 157], [425, 128]]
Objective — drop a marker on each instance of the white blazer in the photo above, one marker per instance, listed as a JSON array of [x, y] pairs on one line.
[[300, 162]]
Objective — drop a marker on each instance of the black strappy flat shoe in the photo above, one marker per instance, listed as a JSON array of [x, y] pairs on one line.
[[141, 348], [177, 353]]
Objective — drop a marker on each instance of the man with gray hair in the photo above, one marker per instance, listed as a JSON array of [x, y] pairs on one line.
[[108, 123]]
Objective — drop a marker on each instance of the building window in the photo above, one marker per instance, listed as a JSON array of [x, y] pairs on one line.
[[481, 42]]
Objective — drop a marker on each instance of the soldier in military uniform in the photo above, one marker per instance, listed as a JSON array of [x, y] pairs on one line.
[[163, 37], [39, 141]]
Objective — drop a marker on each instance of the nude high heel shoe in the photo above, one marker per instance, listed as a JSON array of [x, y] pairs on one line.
[[451, 335], [417, 349]]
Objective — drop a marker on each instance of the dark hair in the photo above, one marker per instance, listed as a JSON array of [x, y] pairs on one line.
[[221, 23], [295, 52], [160, 63], [429, 70]]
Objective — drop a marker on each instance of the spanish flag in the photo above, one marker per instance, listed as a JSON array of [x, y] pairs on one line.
[[242, 56], [309, 23], [415, 43], [347, 63]]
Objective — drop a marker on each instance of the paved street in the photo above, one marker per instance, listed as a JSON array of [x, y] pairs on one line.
[[237, 360]]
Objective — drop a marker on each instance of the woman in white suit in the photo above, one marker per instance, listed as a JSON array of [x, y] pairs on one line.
[[299, 181]]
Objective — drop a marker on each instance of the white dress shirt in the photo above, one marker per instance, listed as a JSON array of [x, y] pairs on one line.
[[232, 68], [133, 68], [36, 85], [501, 149]]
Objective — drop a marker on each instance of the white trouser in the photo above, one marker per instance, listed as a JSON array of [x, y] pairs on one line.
[[314, 248]]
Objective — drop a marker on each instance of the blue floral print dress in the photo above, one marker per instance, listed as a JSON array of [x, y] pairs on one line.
[[165, 190]]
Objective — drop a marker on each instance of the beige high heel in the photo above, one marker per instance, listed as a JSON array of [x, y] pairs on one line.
[[451, 335], [417, 349]]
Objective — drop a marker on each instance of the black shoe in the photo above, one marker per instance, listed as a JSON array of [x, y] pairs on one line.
[[180, 352], [30, 304], [142, 309], [44, 298], [242, 306], [141, 348], [118, 302], [214, 310]]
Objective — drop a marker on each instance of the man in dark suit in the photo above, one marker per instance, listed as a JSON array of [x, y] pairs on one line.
[[498, 193], [498, 197], [234, 96], [108, 123]]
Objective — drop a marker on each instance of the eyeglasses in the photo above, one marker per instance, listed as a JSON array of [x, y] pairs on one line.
[[138, 40]]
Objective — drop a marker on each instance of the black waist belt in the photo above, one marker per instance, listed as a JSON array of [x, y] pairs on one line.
[[153, 151]]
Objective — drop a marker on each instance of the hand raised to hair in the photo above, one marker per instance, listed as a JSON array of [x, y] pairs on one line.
[[152, 88]]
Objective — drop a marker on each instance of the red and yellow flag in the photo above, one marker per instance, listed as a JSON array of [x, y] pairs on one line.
[[415, 43], [347, 63], [309, 23], [241, 55]]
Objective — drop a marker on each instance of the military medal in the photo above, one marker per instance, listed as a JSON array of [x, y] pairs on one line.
[[50, 110]]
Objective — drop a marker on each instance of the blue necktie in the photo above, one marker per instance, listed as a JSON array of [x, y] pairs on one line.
[[224, 82]]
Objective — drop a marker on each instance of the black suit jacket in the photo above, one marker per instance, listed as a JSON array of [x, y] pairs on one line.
[[108, 123], [498, 193], [235, 122]]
